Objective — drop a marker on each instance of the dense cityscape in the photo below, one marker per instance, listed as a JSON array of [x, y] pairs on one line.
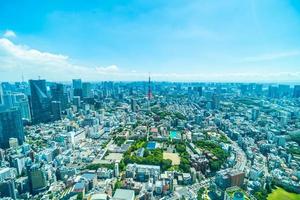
[[148, 140]]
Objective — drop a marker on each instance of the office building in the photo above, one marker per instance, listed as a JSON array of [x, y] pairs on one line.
[[77, 101], [37, 179], [7, 173], [77, 84], [56, 110], [229, 177], [20, 100], [58, 94], [40, 102], [283, 90], [133, 105], [8, 189], [273, 92], [86, 89], [11, 126], [258, 89], [296, 91], [77, 87], [8, 100]]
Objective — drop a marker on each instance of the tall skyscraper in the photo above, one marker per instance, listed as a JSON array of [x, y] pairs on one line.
[[58, 94], [56, 110], [77, 84], [37, 178], [273, 92], [40, 102], [215, 104], [133, 105], [21, 101], [11, 126], [8, 189], [77, 87], [199, 90], [8, 100], [86, 89], [284, 90], [77, 101], [296, 91], [258, 89]]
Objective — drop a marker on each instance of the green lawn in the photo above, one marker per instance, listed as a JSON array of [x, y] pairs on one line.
[[281, 194]]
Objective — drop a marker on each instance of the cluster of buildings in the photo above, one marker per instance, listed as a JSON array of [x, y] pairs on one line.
[[68, 141]]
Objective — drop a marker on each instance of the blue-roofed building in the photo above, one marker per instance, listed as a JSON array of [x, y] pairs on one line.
[[151, 145], [79, 188]]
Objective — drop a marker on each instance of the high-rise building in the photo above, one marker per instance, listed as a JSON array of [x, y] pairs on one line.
[[8, 100], [133, 105], [283, 90], [77, 101], [56, 110], [296, 91], [86, 89], [25, 109], [229, 177], [77, 87], [21, 101], [11, 126], [40, 102], [215, 104], [237, 178], [77, 84], [258, 89], [273, 92], [8, 189], [37, 179], [58, 94], [7, 87]]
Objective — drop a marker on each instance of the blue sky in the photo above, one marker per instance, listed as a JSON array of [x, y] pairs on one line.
[[195, 40]]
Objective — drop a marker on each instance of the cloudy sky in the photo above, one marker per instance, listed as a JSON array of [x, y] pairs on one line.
[[195, 40]]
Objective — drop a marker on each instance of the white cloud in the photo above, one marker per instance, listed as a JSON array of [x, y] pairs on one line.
[[271, 56], [111, 68], [17, 59], [9, 34]]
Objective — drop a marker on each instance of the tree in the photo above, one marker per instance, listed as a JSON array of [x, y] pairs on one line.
[[166, 164], [79, 196], [200, 193]]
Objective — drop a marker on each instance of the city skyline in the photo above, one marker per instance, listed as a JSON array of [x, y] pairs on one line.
[[228, 41]]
